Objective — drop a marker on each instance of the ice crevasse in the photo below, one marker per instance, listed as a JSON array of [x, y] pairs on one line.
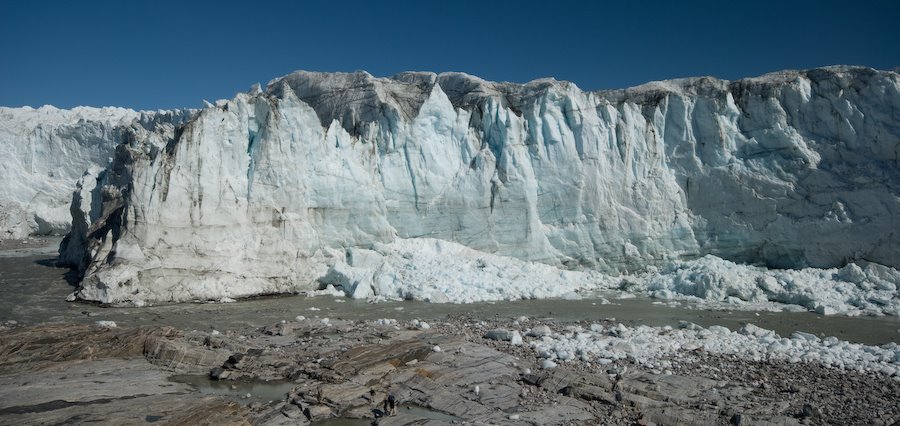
[[378, 184]]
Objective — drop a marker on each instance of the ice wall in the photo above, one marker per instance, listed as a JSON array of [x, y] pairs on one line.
[[45, 150], [262, 193]]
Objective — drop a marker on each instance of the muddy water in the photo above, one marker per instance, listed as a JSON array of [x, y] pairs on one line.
[[34, 292], [249, 391]]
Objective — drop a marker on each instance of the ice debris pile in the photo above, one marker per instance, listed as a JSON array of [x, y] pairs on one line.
[[657, 347], [855, 289], [263, 193], [442, 271], [46, 150]]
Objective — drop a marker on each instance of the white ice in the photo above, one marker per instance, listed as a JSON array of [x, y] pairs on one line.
[[451, 188], [46, 150], [658, 347]]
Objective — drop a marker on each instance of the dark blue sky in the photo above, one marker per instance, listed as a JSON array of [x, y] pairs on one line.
[[164, 54]]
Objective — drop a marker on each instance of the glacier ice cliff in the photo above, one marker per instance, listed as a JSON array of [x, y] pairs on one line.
[[321, 175], [45, 150]]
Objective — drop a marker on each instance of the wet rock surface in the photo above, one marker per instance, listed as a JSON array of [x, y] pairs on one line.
[[77, 374], [63, 373]]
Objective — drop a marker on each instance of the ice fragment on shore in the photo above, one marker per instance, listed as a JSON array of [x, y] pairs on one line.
[[547, 364], [654, 347]]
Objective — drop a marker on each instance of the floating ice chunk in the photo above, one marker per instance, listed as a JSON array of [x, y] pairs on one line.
[[106, 324]]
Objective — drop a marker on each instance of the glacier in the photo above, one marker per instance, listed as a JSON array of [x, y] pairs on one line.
[[46, 150], [378, 185]]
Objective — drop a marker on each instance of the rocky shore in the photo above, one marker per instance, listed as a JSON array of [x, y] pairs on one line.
[[28, 246], [459, 370]]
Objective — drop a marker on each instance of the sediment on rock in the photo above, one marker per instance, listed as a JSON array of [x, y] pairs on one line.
[[348, 369]]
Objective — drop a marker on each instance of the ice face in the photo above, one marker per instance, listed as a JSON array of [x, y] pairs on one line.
[[46, 150], [267, 192]]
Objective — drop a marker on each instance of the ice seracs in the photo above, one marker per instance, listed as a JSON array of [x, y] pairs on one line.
[[336, 179], [46, 150]]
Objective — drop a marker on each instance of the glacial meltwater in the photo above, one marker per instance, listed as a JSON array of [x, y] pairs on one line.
[[35, 291]]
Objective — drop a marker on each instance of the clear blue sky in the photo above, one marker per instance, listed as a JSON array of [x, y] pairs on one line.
[[164, 54]]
